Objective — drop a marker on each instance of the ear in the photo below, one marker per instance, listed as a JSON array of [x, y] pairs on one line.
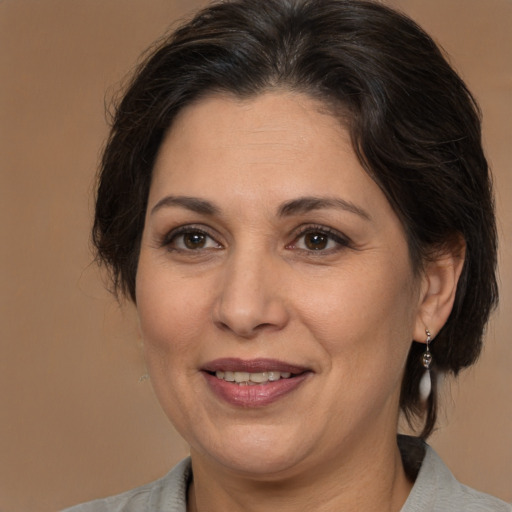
[[438, 287]]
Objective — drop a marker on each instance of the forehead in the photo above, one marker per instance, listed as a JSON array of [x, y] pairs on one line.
[[257, 142], [277, 120]]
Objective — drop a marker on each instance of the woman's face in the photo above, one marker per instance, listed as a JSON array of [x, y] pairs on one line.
[[270, 258]]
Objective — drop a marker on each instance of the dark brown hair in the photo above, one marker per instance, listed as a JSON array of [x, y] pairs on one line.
[[414, 126]]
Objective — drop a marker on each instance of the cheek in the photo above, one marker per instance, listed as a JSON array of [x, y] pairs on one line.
[[169, 311], [364, 318], [359, 299], [169, 314]]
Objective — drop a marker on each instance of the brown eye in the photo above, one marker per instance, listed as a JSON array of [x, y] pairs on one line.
[[194, 240], [323, 240], [189, 239], [316, 241]]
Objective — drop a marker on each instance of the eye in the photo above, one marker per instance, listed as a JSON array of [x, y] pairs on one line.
[[318, 239], [190, 239]]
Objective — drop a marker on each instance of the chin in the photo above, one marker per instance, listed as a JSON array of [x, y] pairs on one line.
[[256, 453]]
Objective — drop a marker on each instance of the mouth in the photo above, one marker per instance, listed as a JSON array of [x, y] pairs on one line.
[[251, 379], [251, 383]]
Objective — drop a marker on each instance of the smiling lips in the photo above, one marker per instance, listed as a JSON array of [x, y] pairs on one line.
[[252, 379], [253, 383]]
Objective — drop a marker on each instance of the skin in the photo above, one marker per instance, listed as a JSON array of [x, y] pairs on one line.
[[253, 287]]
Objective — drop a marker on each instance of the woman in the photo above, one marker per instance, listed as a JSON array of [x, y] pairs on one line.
[[295, 197]]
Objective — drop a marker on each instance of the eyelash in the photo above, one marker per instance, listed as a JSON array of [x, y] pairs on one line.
[[171, 237], [330, 234]]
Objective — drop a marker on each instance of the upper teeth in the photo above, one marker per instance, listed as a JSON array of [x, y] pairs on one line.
[[256, 378]]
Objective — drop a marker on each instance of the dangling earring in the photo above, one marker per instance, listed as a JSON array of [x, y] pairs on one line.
[[426, 380]]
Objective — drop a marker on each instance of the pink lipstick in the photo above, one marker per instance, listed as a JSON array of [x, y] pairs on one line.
[[253, 383]]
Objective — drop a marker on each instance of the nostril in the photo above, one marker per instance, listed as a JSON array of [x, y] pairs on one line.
[[247, 331], [246, 309]]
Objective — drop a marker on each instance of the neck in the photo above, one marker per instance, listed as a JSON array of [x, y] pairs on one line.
[[371, 481]]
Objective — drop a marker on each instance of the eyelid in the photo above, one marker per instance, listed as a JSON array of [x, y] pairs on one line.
[[338, 237], [170, 236], [335, 235]]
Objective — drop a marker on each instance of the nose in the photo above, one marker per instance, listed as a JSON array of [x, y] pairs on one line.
[[250, 299]]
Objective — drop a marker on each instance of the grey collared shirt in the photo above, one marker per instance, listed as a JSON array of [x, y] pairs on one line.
[[435, 489]]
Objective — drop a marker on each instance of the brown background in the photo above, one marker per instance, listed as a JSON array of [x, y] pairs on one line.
[[75, 423]]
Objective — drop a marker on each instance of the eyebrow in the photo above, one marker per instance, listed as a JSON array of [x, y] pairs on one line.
[[201, 206], [311, 203], [294, 207]]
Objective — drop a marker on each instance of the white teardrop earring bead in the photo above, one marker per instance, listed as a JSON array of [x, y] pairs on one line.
[[425, 386]]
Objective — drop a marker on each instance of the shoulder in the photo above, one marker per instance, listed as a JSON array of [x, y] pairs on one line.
[[437, 490], [167, 494]]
